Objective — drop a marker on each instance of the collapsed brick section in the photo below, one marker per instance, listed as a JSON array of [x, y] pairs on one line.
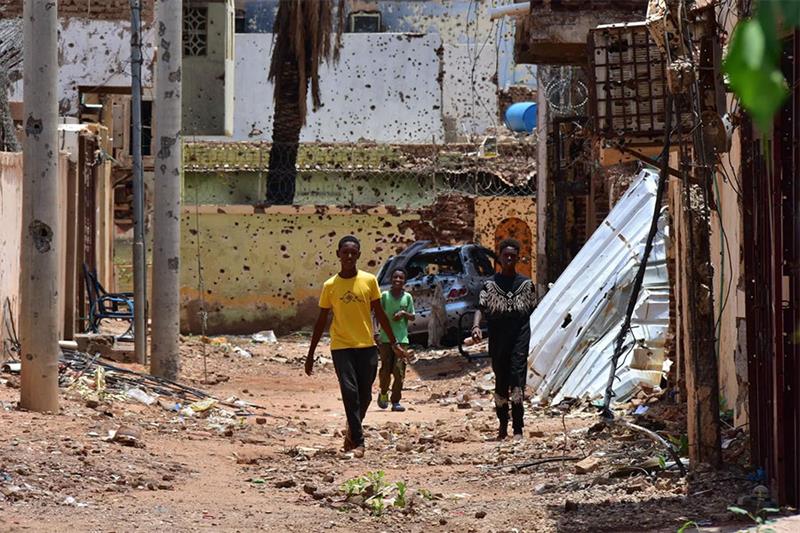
[[88, 9], [450, 220]]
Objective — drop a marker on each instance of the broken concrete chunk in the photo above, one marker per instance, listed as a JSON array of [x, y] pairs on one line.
[[590, 464]]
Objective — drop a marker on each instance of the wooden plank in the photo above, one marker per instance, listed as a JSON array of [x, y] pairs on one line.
[[702, 385], [61, 242], [72, 265]]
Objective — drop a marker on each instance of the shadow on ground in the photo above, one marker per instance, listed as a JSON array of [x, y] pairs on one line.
[[447, 365]]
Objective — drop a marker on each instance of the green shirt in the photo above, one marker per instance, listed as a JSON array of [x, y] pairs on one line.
[[392, 305]]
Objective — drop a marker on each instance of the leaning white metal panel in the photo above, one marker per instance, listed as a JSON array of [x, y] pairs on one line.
[[580, 316]]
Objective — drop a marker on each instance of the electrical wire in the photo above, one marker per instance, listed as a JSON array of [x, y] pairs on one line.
[[648, 247]]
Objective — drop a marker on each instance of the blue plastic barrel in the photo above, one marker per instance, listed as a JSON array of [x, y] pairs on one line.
[[521, 116]]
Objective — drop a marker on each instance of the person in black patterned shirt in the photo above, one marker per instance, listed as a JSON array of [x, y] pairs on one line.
[[507, 301]]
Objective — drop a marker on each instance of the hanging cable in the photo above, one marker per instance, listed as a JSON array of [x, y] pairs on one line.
[[637, 284]]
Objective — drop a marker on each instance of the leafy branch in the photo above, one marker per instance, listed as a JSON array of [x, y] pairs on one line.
[[752, 63]]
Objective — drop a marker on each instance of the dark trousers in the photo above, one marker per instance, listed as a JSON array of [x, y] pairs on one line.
[[356, 369], [510, 374], [391, 366]]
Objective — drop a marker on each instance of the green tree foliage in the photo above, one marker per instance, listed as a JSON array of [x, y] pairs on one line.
[[752, 63]]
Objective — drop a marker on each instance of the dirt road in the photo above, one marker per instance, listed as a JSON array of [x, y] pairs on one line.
[[281, 468]]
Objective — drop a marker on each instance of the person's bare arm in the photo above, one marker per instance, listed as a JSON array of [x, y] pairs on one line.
[[319, 328], [477, 334], [404, 314]]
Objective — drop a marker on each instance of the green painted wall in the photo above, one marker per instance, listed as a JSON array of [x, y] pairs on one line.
[[264, 270]]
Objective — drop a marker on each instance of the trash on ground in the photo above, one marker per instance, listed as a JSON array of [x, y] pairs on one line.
[[265, 337], [140, 396]]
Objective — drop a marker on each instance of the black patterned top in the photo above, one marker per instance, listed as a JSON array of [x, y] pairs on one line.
[[507, 302]]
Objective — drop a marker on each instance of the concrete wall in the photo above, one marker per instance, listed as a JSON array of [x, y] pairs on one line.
[[390, 93], [94, 53], [401, 189], [263, 269], [727, 258], [205, 78], [10, 233], [11, 182], [95, 9]]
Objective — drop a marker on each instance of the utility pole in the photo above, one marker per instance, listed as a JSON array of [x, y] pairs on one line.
[[39, 255], [165, 356], [139, 252]]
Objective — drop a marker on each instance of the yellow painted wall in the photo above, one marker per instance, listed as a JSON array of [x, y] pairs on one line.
[[262, 268], [491, 211]]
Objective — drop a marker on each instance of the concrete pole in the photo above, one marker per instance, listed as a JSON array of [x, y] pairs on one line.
[[39, 255], [165, 356], [139, 251]]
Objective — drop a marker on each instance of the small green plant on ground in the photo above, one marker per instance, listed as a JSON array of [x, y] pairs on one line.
[[691, 524], [758, 518], [681, 444], [377, 492]]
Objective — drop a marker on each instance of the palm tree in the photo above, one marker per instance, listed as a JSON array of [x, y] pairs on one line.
[[303, 31], [10, 59]]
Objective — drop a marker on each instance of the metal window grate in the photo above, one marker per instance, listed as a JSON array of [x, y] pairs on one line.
[[195, 31], [628, 85]]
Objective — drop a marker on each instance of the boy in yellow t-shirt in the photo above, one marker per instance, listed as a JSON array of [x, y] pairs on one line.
[[352, 295]]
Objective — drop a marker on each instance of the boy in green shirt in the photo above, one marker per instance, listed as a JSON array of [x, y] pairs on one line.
[[399, 307]]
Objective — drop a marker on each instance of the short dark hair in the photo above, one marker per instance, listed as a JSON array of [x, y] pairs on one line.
[[348, 238], [509, 243], [401, 270]]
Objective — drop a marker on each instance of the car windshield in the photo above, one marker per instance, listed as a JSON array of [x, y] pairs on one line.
[[447, 263]]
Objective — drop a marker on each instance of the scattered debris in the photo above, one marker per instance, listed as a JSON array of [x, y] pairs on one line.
[[265, 337], [588, 465], [241, 352], [127, 436], [140, 396]]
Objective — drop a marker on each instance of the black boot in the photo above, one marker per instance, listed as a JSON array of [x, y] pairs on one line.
[[517, 412], [502, 416]]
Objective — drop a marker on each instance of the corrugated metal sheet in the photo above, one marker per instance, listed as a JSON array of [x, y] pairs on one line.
[[574, 328]]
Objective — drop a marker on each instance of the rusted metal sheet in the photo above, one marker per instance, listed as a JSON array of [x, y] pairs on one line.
[[771, 201]]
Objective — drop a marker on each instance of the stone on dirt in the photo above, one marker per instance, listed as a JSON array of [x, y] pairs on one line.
[[590, 464]]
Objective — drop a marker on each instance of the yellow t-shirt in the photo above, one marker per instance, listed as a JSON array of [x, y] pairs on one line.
[[350, 299]]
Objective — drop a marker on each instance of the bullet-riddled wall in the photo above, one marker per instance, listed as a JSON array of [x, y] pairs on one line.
[[262, 268], [501, 217]]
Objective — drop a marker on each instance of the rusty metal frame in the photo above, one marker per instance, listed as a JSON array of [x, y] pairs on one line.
[[771, 207], [617, 52]]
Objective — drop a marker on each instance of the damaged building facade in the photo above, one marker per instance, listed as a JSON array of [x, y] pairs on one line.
[[730, 201], [394, 154]]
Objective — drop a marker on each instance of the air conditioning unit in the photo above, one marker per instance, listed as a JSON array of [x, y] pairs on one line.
[[628, 86], [365, 22]]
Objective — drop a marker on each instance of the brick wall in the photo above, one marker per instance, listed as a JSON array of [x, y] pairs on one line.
[[91, 9]]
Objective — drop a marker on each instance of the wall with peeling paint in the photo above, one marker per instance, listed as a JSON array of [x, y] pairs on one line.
[[94, 53], [259, 271]]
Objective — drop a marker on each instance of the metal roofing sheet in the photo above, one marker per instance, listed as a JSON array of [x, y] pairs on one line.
[[574, 328]]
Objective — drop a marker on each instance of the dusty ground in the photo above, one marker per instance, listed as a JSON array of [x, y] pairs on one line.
[[280, 469]]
